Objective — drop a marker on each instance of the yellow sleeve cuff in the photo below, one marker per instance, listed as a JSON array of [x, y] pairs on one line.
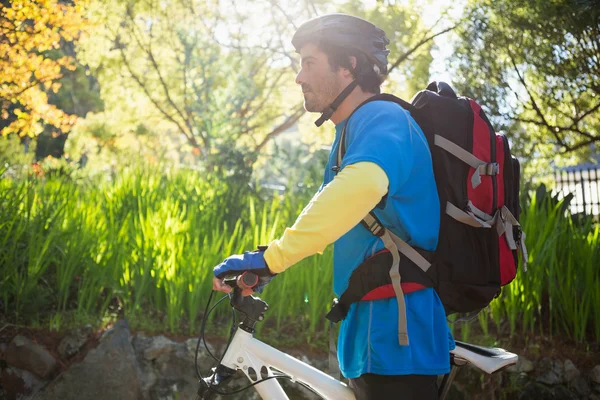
[[340, 206]]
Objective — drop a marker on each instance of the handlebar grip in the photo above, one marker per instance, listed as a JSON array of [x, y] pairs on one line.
[[248, 279]]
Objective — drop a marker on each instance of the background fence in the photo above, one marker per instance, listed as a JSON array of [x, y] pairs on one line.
[[584, 183]]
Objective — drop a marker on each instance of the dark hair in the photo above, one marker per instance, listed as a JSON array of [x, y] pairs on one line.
[[366, 77]]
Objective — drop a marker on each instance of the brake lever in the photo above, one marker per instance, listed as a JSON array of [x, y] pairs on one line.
[[247, 280], [251, 307]]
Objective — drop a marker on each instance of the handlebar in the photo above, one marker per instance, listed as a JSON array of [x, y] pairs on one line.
[[251, 307], [248, 280]]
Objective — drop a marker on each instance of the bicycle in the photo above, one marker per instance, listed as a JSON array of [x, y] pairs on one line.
[[258, 361]]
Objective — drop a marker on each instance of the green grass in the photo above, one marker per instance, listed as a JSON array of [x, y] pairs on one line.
[[144, 246]]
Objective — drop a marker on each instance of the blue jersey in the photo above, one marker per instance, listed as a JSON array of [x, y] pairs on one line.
[[385, 134]]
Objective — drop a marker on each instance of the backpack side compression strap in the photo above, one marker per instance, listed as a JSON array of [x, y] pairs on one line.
[[393, 243], [374, 274]]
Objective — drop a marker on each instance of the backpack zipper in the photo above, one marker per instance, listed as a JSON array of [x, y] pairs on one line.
[[493, 160], [495, 176]]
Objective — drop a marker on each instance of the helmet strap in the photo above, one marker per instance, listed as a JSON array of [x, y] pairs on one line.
[[336, 103]]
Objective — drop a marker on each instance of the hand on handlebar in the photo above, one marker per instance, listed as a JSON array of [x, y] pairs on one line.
[[247, 282], [238, 265]]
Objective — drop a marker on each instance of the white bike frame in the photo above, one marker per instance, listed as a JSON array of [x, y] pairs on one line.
[[245, 353], [256, 359]]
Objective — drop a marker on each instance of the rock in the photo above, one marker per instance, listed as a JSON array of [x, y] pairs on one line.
[[570, 371], [140, 343], [22, 353], [595, 374], [17, 382], [580, 386], [551, 372], [176, 374], [73, 341], [191, 346], [538, 391], [561, 392], [109, 371], [522, 365], [159, 346]]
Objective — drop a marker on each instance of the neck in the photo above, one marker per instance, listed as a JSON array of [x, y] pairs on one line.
[[354, 99]]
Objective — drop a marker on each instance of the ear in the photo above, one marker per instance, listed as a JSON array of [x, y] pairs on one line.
[[353, 62], [346, 71]]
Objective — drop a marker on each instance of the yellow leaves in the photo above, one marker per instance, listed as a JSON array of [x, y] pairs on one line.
[[31, 27]]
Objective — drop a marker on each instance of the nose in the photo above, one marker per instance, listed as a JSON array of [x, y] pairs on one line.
[[300, 78]]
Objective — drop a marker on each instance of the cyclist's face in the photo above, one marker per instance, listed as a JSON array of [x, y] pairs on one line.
[[320, 84]]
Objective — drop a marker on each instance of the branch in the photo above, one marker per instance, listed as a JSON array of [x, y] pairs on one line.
[[137, 79], [282, 45], [35, 83], [148, 51], [585, 114], [405, 56], [534, 104], [289, 19], [569, 149], [289, 122], [270, 90]]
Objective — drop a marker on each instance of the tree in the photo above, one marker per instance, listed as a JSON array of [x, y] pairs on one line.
[[192, 62], [29, 31], [536, 66], [221, 73]]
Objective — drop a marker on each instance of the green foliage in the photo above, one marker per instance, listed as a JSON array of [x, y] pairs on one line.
[[405, 29], [188, 68], [13, 156], [144, 244], [559, 291], [534, 65]]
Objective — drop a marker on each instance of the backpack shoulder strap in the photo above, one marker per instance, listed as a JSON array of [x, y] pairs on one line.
[[391, 242], [383, 97]]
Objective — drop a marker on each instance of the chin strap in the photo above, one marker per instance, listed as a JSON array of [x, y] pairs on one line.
[[336, 103]]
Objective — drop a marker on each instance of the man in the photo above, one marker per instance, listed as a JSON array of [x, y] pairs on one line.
[[387, 168]]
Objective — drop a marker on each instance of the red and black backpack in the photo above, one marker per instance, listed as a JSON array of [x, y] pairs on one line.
[[477, 180]]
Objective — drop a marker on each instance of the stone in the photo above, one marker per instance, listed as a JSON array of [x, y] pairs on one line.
[[522, 365], [24, 354], [110, 371], [580, 386], [140, 343], [158, 346], [537, 391], [561, 392], [177, 374], [570, 371], [595, 374], [191, 347], [74, 341], [18, 383], [148, 376], [551, 372]]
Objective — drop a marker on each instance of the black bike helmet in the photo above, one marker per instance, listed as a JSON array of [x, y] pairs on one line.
[[344, 31]]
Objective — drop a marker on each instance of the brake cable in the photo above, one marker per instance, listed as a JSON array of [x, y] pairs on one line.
[[232, 332]]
